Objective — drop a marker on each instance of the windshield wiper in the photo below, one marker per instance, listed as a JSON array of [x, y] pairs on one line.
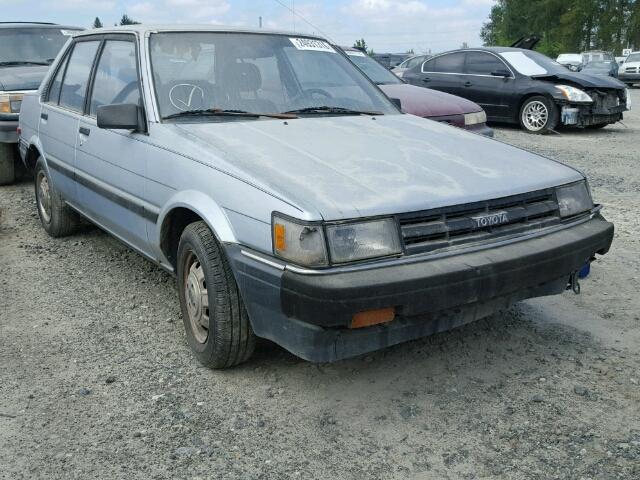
[[21, 62], [335, 110], [218, 112]]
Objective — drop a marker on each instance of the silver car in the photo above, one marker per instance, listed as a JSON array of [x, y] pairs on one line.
[[291, 198]]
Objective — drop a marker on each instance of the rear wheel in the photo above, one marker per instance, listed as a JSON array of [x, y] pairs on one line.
[[7, 164], [56, 216], [215, 319], [538, 115]]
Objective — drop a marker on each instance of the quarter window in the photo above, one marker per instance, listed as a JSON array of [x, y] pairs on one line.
[[450, 63], [479, 63], [54, 90], [116, 78], [74, 86]]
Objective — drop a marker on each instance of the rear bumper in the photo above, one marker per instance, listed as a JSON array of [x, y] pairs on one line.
[[309, 314]]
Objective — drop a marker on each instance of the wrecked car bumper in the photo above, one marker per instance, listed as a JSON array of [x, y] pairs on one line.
[[310, 313], [587, 115]]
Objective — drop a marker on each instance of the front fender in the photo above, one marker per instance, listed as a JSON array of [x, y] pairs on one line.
[[203, 206]]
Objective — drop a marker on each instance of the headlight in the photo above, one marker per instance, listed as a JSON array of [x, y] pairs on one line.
[[574, 199], [475, 118], [299, 243], [574, 94], [10, 102], [304, 243], [358, 241]]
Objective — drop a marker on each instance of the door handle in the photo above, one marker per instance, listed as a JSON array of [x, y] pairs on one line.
[[468, 84], [84, 131], [44, 116], [426, 79]]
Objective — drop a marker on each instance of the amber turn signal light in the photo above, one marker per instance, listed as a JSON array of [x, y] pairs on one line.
[[373, 317]]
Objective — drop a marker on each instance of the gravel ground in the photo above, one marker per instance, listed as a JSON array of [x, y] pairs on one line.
[[97, 380]]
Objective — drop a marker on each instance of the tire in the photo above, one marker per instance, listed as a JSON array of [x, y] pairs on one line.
[[7, 164], [538, 115], [57, 218], [205, 280]]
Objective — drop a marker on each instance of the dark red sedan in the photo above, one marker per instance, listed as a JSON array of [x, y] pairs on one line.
[[423, 102]]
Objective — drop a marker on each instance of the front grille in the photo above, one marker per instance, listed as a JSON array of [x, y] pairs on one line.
[[458, 225], [632, 69]]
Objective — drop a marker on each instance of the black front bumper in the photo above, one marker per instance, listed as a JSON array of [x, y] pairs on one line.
[[309, 314]]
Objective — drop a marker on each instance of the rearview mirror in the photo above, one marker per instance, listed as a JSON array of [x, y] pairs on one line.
[[121, 116], [501, 73]]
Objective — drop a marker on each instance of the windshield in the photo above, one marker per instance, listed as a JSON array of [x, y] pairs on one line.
[[372, 69], [530, 63], [634, 57], [37, 45], [569, 58], [258, 73]]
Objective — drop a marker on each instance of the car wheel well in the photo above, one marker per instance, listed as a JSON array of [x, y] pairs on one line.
[[172, 227], [32, 157]]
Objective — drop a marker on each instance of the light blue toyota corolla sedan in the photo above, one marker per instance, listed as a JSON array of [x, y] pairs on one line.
[[291, 198]]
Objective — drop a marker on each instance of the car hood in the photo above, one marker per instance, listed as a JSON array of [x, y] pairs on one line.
[[349, 167], [22, 77], [425, 102], [630, 64], [582, 79]]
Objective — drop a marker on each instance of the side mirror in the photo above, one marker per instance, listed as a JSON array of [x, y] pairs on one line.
[[396, 102], [501, 73], [121, 116]]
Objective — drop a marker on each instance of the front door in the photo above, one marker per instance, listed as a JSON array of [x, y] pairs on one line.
[[111, 164], [489, 83]]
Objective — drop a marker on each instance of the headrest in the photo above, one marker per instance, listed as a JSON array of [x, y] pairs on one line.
[[244, 76]]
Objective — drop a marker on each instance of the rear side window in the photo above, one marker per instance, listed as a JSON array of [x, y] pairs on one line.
[[74, 85], [450, 63], [479, 63], [116, 78]]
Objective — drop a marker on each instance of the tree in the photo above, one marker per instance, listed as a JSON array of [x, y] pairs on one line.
[[360, 45], [126, 20], [97, 23], [565, 25]]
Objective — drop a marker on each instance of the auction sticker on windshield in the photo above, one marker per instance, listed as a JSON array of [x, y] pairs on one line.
[[311, 44]]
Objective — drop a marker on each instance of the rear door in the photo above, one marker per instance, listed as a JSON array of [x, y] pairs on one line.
[[444, 73], [111, 164], [62, 108], [490, 83]]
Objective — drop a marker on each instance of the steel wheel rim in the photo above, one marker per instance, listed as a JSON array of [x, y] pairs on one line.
[[535, 115], [44, 197], [196, 297]]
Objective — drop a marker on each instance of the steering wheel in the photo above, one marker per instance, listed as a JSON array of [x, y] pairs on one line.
[[187, 96], [309, 93], [124, 93]]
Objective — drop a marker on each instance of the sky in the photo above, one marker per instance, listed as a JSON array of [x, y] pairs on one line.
[[386, 25]]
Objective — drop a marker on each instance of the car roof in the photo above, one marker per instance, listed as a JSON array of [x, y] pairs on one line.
[[37, 24], [145, 29]]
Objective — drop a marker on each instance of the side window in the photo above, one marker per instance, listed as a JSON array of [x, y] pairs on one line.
[[116, 78], [449, 63], [479, 63], [54, 88], [74, 85]]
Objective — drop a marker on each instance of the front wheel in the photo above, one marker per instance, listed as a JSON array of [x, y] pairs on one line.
[[7, 164], [538, 115], [215, 319]]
